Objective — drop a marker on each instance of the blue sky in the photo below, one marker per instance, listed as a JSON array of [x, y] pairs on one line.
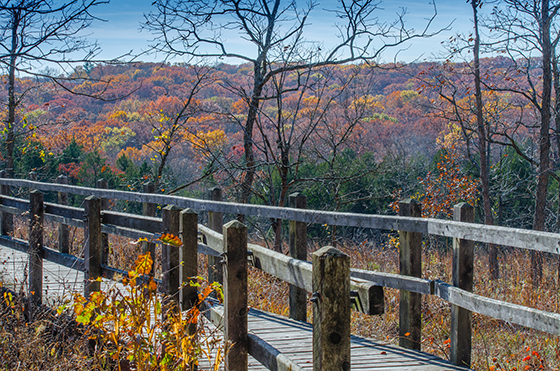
[[121, 31]]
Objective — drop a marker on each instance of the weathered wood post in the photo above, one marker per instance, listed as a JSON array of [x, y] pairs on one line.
[[215, 222], [410, 262], [170, 264], [63, 235], [36, 251], [92, 251], [189, 257], [235, 295], [149, 209], [102, 184], [7, 221], [463, 257], [331, 310], [298, 250]]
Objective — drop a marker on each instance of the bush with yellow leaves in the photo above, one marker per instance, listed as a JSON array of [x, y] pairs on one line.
[[139, 329]]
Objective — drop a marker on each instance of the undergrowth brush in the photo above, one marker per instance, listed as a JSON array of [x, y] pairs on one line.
[[45, 341], [130, 326]]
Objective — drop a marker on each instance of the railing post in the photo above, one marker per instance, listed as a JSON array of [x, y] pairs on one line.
[[298, 250], [235, 295], [463, 256], [7, 222], [189, 257], [215, 222], [410, 262], [331, 310], [92, 252], [170, 254], [36, 251], [63, 235], [102, 184], [149, 209]]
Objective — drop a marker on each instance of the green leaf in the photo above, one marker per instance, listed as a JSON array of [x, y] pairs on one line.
[[61, 309]]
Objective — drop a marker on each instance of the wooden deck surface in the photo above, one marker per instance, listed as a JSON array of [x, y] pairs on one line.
[[294, 339], [289, 337]]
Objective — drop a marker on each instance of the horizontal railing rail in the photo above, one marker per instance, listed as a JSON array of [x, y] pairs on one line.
[[514, 237]]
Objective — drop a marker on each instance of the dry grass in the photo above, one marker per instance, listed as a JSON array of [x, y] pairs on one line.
[[44, 342]]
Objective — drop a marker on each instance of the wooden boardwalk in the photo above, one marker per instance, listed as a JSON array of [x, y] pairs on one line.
[[294, 339], [59, 282], [291, 338]]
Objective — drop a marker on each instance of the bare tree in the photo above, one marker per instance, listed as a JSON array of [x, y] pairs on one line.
[[524, 30], [290, 127], [168, 119], [482, 141], [36, 34], [274, 33]]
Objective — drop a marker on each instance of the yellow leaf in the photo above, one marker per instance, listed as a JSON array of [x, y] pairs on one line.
[[152, 285], [170, 239], [144, 263]]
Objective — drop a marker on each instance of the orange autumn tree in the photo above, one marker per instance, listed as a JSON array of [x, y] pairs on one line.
[[444, 188]]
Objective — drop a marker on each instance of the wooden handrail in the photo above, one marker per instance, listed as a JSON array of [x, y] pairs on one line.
[[514, 237], [367, 285]]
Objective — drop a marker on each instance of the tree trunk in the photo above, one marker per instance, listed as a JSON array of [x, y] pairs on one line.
[[544, 140], [250, 170], [482, 147], [12, 100], [556, 80]]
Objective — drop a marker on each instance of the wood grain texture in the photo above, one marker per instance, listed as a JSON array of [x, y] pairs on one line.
[[103, 184], [6, 219], [289, 342], [235, 295], [331, 310], [410, 264], [529, 317], [18, 203], [92, 252], [395, 281], [36, 252], [298, 250], [299, 273], [131, 221], [63, 235], [149, 209], [170, 256], [463, 268], [215, 223], [293, 339], [544, 321], [189, 258]]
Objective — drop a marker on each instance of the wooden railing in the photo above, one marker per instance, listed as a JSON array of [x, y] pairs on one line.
[[362, 287]]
